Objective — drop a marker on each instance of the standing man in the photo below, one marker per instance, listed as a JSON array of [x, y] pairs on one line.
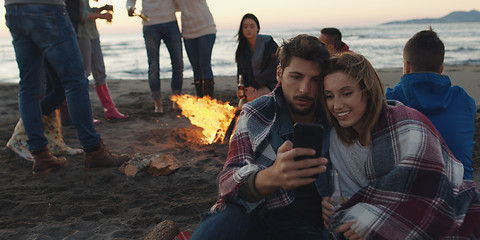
[[43, 30], [263, 192], [161, 24], [423, 87]]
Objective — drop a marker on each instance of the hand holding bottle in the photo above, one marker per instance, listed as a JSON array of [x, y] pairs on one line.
[[332, 203]]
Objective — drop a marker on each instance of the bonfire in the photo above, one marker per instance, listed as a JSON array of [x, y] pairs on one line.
[[212, 115]]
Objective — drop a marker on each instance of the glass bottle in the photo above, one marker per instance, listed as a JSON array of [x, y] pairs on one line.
[[241, 87], [336, 199]]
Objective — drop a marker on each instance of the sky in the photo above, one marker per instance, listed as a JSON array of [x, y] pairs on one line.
[[297, 13]]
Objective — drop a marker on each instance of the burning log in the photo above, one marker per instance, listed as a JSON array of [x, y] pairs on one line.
[[160, 164]]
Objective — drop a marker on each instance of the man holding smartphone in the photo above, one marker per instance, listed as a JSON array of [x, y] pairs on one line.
[[263, 192]]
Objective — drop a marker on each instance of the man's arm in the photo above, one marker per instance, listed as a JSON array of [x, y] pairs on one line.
[[285, 173]]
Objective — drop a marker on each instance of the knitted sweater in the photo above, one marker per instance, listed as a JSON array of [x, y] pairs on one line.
[[158, 11], [197, 20]]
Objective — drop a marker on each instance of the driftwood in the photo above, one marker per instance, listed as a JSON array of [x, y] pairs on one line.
[[160, 164], [166, 230]]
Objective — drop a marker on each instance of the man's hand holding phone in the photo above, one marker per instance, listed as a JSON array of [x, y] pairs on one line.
[[288, 173]]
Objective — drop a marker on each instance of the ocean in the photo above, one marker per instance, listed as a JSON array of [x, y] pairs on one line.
[[125, 54]]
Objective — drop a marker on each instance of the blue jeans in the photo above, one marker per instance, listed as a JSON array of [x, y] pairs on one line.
[[153, 34], [199, 51], [39, 31], [234, 223]]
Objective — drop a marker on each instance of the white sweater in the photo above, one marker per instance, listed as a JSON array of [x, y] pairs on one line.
[[197, 20], [159, 11]]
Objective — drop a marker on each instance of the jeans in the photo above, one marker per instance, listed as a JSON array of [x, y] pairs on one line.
[[199, 51], [153, 34], [54, 92], [39, 31], [234, 223], [93, 59]]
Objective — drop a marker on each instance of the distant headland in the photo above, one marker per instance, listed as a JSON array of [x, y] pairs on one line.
[[453, 17]]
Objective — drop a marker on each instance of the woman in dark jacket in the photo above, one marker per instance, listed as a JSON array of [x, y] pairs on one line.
[[256, 60]]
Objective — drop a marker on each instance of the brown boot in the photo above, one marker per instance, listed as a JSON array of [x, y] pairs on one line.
[[103, 158], [45, 162]]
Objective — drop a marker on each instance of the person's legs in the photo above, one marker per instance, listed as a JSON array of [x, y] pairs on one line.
[[54, 93], [85, 46], [172, 38], [199, 51], [29, 58], [205, 47], [230, 224], [98, 65], [285, 225], [152, 39], [45, 29], [100, 78], [205, 53], [191, 47], [64, 56], [33, 30]]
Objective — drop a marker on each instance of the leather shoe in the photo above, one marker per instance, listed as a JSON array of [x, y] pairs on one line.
[[45, 162], [103, 158]]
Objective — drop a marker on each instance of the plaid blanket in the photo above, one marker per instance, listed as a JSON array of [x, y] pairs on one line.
[[249, 153], [415, 186]]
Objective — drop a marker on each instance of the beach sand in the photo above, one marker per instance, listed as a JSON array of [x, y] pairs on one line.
[[77, 204]]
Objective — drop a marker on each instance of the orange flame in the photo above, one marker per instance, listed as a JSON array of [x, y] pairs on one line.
[[212, 115]]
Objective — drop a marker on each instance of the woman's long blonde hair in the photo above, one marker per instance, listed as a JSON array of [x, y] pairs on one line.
[[359, 68]]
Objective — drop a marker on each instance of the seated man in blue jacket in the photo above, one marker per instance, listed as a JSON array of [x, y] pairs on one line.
[[448, 107]]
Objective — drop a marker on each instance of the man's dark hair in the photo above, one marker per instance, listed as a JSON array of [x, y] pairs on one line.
[[306, 47], [425, 52], [334, 35]]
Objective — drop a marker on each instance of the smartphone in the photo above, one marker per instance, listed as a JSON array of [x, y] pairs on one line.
[[307, 135]]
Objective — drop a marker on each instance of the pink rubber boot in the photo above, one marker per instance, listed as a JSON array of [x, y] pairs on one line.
[[111, 111]]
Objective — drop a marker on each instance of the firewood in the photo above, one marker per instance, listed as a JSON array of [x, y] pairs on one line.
[[166, 230], [164, 165], [137, 163]]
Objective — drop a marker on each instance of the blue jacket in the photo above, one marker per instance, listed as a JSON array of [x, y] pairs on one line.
[[448, 107]]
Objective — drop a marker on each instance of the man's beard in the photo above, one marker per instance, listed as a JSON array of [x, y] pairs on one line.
[[299, 112]]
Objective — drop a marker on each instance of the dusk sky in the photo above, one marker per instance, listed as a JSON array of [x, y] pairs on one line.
[[296, 13]]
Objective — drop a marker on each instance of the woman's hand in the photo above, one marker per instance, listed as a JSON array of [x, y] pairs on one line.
[[348, 232], [327, 211]]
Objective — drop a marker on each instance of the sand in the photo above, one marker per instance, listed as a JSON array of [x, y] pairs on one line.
[[77, 204]]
